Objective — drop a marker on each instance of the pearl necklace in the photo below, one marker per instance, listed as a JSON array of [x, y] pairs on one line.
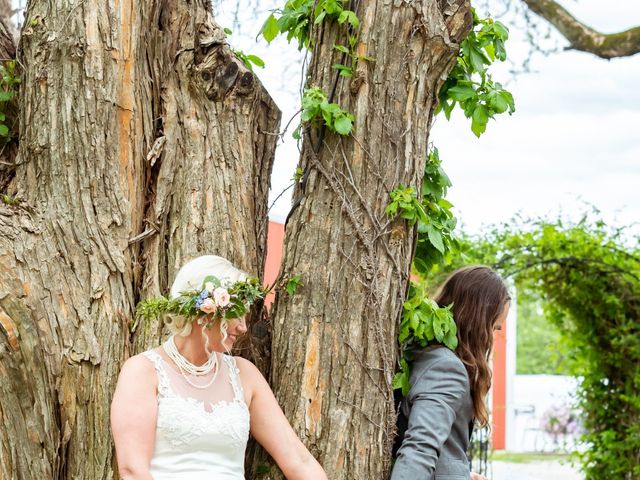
[[186, 367]]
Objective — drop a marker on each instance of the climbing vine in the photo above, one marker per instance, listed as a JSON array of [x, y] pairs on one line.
[[469, 84], [9, 82], [423, 321], [295, 20]]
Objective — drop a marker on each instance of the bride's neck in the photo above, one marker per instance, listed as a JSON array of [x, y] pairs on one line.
[[192, 347]]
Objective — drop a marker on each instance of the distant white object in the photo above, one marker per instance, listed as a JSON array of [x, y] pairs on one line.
[[533, 395]]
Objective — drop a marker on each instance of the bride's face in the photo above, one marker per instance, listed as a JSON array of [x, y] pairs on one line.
[[235, 329]]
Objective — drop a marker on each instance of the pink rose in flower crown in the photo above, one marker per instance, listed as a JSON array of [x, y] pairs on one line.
[[222, 297], [208, 306]]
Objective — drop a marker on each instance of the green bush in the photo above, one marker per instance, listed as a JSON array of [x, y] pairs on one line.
[[588, 277]]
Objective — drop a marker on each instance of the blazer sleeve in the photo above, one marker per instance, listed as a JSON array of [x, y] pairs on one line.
[[434, 400]]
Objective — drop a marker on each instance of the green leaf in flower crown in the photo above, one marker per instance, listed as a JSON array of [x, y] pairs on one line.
[[211, 279]]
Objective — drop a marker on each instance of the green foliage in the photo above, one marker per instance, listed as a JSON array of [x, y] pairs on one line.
[[404, 201], [298, 174], [249, 60], [292, 284], [10, 200], [589, 279], [242, 294], [154, 308], [315, 105], [540, 349], [436, 242], [423, 321], [297, 18], [9, 83], [469, 83]]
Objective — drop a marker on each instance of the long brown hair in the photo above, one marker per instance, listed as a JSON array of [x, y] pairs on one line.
[[478, 295]]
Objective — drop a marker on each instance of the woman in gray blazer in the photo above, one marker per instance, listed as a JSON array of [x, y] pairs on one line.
[[448, 389]]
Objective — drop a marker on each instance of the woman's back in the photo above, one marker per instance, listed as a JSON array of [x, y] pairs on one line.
[[439, 410], [202, 424]]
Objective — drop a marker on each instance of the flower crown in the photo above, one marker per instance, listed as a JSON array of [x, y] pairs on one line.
[[222, 300]]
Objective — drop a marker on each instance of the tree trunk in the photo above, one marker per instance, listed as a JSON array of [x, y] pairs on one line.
[[334, 341], [143, 142]]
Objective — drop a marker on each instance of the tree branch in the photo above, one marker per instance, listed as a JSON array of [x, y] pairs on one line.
[[584, 38]]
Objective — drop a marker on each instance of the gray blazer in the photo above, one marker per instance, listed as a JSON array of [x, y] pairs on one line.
[[439, 410]]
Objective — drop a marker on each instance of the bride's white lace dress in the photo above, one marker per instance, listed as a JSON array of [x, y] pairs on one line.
[[201, 433]]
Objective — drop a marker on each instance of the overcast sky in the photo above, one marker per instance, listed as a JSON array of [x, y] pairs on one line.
[[574, 140]]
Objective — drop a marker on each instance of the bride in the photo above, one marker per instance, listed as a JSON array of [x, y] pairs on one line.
[[184, 410]]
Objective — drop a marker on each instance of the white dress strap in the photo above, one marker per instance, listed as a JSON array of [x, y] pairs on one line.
[[234, 377], [164, 389]]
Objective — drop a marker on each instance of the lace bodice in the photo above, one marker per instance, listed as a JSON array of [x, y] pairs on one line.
[[200, 433]]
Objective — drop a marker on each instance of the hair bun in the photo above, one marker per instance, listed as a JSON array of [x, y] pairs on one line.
[[192, 274]]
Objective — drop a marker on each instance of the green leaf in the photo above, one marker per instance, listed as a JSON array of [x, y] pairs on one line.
[[478, 59], [502, 31], [341, 48], [491, 51], [479, 120], [344, 70], [227, 31], [451, 340], [351, 17], [435, 237], [256, 60], [6, 96], [270, 29], [4, 130], [461, 92], [401, 381], [498, 102], [293, 283], [343, 125]]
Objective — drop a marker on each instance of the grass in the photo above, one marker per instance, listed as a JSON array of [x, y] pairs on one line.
[[529, 457]]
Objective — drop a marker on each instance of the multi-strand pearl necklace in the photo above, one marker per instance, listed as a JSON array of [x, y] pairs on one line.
[[186, 367]]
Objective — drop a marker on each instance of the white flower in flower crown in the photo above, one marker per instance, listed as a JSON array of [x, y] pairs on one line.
[[208, 306], [209, 287], [222, 297]]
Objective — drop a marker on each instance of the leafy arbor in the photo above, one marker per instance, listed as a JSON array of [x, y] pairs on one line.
[[589, 278]]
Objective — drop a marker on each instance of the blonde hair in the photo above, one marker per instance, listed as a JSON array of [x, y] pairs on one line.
[[177, 324]]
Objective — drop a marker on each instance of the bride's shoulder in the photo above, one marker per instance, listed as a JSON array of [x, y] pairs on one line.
[[243, 364], [248, 371], [141, 363]]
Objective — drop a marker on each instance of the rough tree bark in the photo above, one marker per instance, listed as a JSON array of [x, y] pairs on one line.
[[334, 341], [143, 142]]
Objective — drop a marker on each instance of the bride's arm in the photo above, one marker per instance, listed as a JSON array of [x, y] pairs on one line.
[[133, 418], [271, 429]]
